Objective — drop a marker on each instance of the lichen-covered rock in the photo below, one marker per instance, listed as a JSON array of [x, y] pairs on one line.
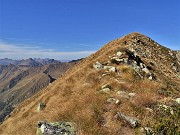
[[132, 94], [55, 128], [105, 90], [147, 131], [178, 100], [98, 66], [119, 53], [132, 121], [113, 100], [110, 68], [123, 94]]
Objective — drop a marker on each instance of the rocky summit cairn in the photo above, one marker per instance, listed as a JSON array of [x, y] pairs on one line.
[[55, 128]]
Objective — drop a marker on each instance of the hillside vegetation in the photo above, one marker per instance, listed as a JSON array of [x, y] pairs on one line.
[[130, 86]]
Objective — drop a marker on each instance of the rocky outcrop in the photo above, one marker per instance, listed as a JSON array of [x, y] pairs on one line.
[[55, 128]]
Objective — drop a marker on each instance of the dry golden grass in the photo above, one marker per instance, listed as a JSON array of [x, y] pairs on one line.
[[75, 98], [146, 99]]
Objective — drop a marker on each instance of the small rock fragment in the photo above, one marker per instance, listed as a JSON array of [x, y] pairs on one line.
[[106, 86], [105, 90], [147, 131], [178, 100], [123, 94], [98, 66], [146, 70], [132, 94], [110, 68], [132, 121], [113, 100], [119, 53]]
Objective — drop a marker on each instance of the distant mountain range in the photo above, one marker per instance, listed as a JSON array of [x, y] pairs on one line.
[[21, 79], [28, 62]]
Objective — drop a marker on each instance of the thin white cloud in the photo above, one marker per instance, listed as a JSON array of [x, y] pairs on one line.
[[15, 51]]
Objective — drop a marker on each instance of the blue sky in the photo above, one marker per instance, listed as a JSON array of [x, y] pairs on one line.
[[71, 29]]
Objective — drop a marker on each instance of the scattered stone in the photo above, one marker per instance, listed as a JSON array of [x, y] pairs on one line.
[[147, 131], [150, 78], [146, 70], [178, 100], [106, 86], [105, 90], [123, 94], [113, 100], [98, 66], [119, 53], [174, 68], [116, 60], [104, 75], [110, 68], [132, 121], [55, 128], [41, 106], [132, 94], [142, 65], [107, 67], [125, 60]]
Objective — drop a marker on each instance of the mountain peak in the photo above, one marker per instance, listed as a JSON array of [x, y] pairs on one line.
[[131, 82]]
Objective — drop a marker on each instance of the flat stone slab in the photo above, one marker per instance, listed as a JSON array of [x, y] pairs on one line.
[[55, 128]]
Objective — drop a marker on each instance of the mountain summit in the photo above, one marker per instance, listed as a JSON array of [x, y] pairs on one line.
[[130, 86]]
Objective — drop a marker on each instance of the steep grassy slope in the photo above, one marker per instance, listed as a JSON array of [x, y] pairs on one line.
[[142, 81], [18, 83]]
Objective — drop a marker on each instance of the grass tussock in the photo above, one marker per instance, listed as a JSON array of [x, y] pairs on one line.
[[146, 100]]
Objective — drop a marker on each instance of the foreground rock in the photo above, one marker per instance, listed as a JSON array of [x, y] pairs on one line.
[[56, 128], [133, 122], [178, 100]]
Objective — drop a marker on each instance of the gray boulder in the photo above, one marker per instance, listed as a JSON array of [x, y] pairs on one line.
[[132, 121], [55, 128], [98, 66]]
